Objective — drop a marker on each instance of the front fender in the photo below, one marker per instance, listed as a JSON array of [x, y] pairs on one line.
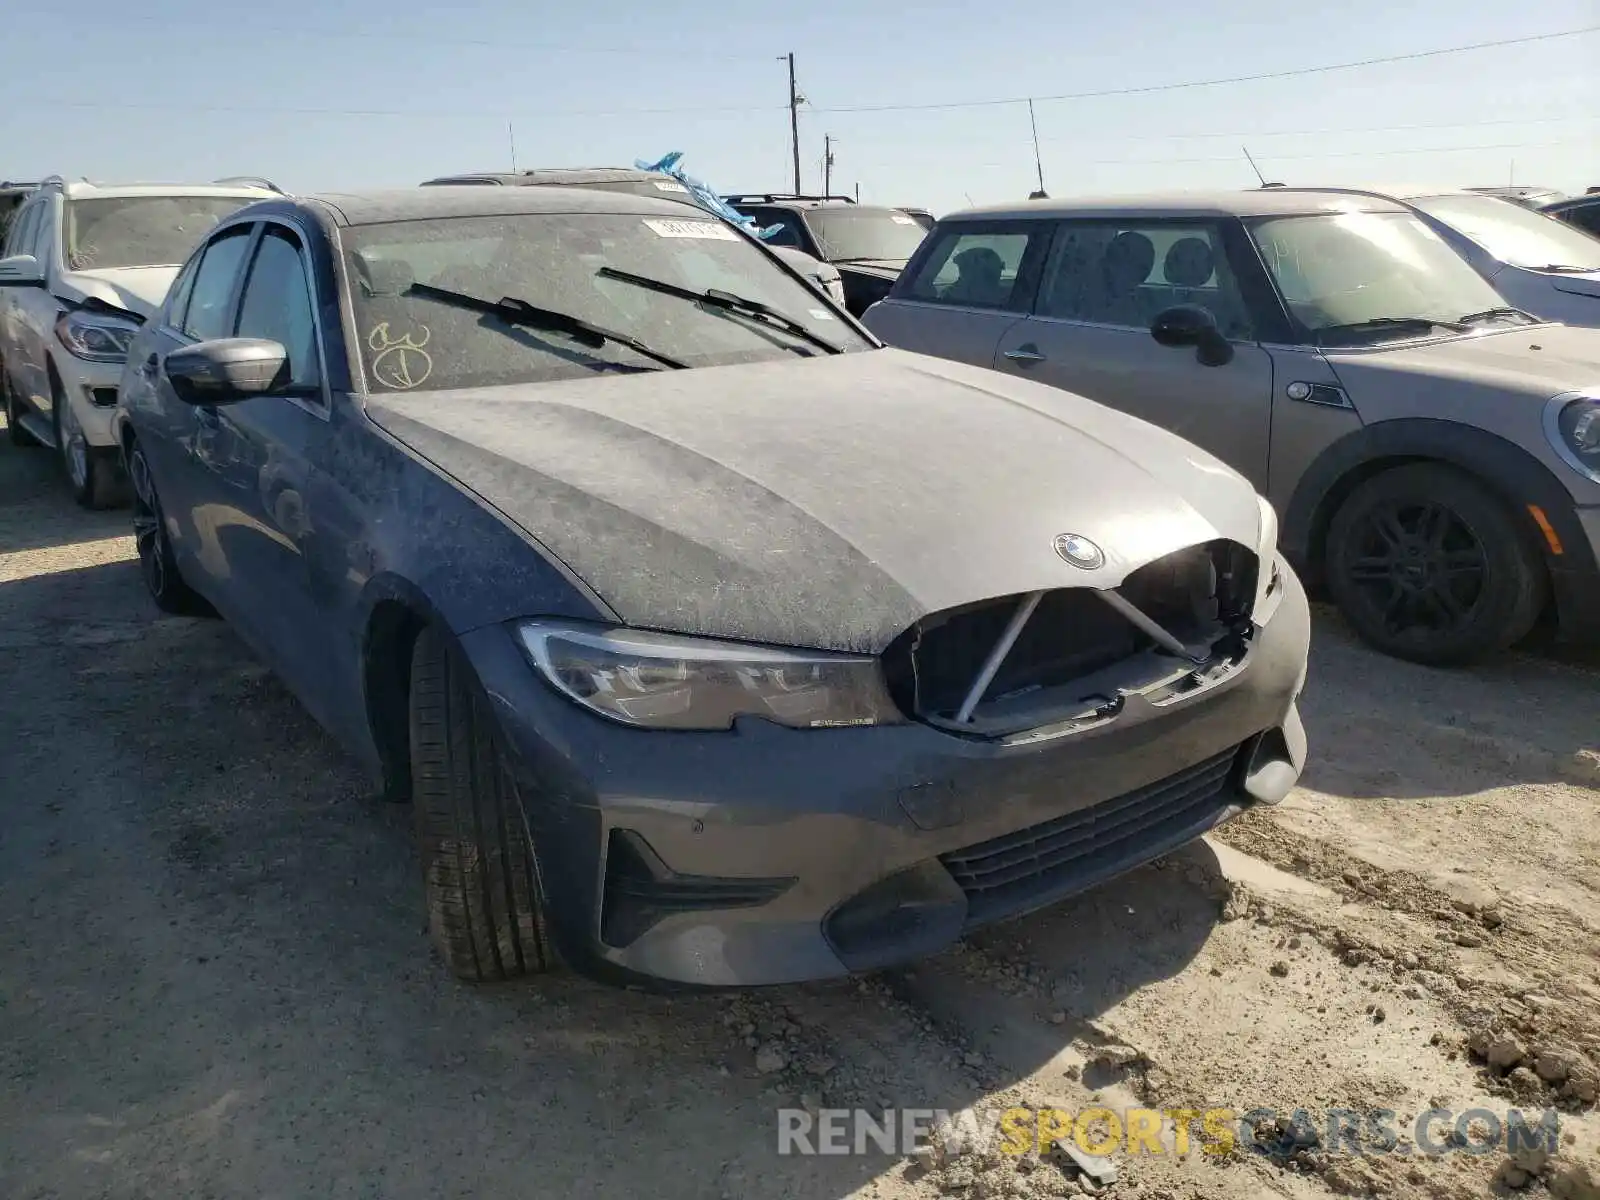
[[1506, 468]]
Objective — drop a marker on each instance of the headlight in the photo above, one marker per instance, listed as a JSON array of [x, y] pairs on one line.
[[661, 682], [1269, 565], [96, 337], [1573, 426]]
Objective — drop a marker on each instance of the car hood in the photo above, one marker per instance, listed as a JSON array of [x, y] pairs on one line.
[[826, 503], [136, 289], [1538, 360]]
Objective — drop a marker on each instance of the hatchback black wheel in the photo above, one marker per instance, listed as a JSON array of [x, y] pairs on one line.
[[156, 561], [1428, 565], [480, 873]]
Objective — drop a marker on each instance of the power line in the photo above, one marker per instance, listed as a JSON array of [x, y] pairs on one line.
[[1234, 158], [303, 34], [1262, 133], [499, 111], [1205, 83]]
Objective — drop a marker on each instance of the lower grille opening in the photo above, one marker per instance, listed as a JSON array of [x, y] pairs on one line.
[[640, 890], [1057, 858], [103, 397], [1076, 654]]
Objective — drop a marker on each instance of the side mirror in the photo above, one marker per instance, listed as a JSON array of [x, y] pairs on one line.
[[1191, 325], [21, 270], [227, 370]]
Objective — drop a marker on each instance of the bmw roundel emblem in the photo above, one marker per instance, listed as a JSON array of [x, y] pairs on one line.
[[1079, 551]]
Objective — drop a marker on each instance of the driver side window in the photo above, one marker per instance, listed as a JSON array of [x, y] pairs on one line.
[[209, 308], [276, 305]]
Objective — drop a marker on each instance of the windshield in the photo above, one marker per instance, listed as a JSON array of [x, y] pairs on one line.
[[552, 261], [1514, 234], [141, 231], [847, 232], [1339, 271]]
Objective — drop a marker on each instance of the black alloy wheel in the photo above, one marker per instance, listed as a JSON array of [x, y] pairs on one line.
[[1428, 565]]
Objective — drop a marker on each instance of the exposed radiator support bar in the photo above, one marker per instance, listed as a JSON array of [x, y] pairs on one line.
[[1132, 613], [991, 665]]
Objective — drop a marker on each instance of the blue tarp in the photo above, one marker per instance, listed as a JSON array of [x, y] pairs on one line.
[[704, 196]]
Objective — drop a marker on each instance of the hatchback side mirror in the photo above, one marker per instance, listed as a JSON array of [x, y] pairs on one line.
[[1191, 325], [21, 270], [227, 370]]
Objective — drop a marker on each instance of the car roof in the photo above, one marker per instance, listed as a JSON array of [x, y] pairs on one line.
[[83, 189], [555, 176], [424, 203], [1265, 202]]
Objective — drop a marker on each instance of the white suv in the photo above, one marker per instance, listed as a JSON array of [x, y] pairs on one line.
[[83, 266]]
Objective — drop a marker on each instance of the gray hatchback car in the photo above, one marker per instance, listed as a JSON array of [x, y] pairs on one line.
[[1433, 450]]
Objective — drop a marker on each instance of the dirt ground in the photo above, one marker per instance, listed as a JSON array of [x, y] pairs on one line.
[[215, 979]]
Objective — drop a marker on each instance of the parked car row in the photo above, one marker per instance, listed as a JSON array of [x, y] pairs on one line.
[[716, 642]]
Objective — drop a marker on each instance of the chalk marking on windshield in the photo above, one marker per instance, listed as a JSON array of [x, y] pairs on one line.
[[400, 362], [713, 231]]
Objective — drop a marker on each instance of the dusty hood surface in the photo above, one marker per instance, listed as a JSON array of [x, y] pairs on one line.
[[824, 502], [137, 289], [1538, 360]]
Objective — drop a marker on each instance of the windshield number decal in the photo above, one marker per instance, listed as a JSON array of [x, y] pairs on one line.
[[664, 186], [400, 362], [713, 231], [899, 220], [820, 314]]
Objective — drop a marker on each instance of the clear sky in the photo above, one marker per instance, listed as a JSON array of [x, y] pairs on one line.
[[331, 94]]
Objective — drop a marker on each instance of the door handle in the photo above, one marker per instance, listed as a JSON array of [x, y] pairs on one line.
[[148, 369], [206, 416], [1025, 354]]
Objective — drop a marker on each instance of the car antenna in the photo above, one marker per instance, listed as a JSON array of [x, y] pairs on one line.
[[1257, 169]]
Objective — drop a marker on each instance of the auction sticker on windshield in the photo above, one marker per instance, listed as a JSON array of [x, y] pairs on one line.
[[662, 185], [692, 229]]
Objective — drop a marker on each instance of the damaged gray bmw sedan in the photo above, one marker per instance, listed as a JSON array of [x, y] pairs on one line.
[[712, 642]]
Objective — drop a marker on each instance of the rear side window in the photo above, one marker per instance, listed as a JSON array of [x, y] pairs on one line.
[[975, 268], [208, 312], [20, 239]]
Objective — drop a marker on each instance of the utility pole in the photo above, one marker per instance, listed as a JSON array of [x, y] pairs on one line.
[[795, 100], [511, 132], [827, 164]]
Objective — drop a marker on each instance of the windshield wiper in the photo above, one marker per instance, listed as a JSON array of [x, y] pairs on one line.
[[726, 301], [1566, 268], [1393, 324], [519, 312], [1490, 314]]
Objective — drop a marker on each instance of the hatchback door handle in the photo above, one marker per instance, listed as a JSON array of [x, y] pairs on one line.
[[1025, 354]]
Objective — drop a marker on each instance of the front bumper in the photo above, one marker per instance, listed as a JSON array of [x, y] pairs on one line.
[[91, 389], [768, 855]]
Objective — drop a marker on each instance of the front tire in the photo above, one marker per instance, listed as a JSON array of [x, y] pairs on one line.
[[157, 563], [92, 471], [480, 873], [1428, 565]]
